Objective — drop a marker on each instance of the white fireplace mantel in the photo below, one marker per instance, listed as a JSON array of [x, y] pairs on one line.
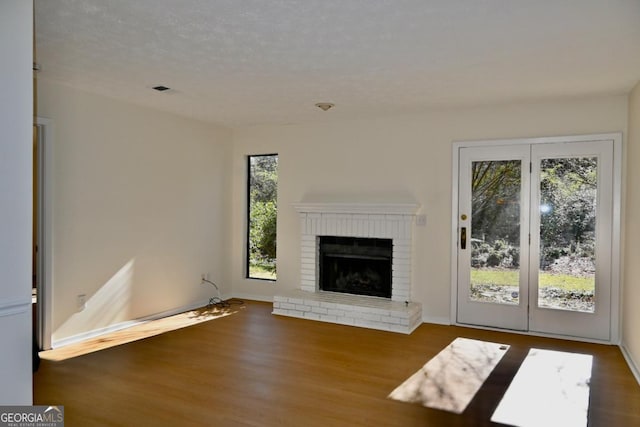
[[358, 208]]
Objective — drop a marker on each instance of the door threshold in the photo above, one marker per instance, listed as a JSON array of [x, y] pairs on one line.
[[537, 334]]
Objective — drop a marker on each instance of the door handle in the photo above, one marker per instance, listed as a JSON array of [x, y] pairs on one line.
[[463, 238]]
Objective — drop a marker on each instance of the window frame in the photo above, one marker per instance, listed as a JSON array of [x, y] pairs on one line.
[[247, 263]]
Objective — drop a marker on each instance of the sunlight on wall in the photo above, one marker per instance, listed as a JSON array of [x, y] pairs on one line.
[[109, 305]]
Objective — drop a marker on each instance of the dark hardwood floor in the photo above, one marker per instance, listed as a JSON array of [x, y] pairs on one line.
[[255, 369]]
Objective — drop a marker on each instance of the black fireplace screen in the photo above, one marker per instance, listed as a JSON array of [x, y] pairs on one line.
[[360, 266]]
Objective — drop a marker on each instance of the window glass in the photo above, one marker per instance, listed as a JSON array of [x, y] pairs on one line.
[[262, 216]]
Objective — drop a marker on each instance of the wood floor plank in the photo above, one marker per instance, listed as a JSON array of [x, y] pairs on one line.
[[255, 369]]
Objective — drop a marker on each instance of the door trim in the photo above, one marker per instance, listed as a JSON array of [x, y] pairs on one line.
[[615, 232], [45, 235]]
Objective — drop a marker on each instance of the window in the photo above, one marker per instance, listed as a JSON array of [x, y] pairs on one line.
[[262, 213]]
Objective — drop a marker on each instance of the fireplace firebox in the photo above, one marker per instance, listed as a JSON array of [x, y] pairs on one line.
[[353, 265]]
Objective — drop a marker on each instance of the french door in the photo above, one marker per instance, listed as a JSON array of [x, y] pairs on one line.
[[534, 240]]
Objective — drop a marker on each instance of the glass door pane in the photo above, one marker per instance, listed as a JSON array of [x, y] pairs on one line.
[[495, 231], [568, 196]]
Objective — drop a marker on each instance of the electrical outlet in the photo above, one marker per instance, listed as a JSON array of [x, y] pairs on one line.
[[81, 302], [421, 220]]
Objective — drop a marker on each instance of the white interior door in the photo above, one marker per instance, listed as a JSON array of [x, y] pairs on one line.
[[534, 239]]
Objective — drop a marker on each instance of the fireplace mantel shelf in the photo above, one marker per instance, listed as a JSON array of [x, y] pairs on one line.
[[358, 208]]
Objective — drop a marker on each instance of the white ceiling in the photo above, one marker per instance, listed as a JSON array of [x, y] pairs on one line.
[[246, 62]]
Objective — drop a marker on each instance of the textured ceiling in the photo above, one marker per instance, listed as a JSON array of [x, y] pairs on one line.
[[246, 62]]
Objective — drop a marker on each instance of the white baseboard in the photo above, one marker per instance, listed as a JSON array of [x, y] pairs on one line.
[[635, 368], [436, 320], [94, 333], [252, 297]]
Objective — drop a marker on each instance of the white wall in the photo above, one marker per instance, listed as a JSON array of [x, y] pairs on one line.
[[631, 291], [16, 106], [395, 159], [141, 209]]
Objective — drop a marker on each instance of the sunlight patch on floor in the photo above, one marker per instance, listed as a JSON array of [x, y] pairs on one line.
[[140, 331], [451, 379], [551, 388]]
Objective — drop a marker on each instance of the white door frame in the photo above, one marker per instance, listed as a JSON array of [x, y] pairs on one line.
[[45, 231], [616, 220]]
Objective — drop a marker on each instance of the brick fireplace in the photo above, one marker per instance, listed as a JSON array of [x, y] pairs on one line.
[[394, 222]]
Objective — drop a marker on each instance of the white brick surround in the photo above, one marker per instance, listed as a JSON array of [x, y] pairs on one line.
[[385, 221]]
